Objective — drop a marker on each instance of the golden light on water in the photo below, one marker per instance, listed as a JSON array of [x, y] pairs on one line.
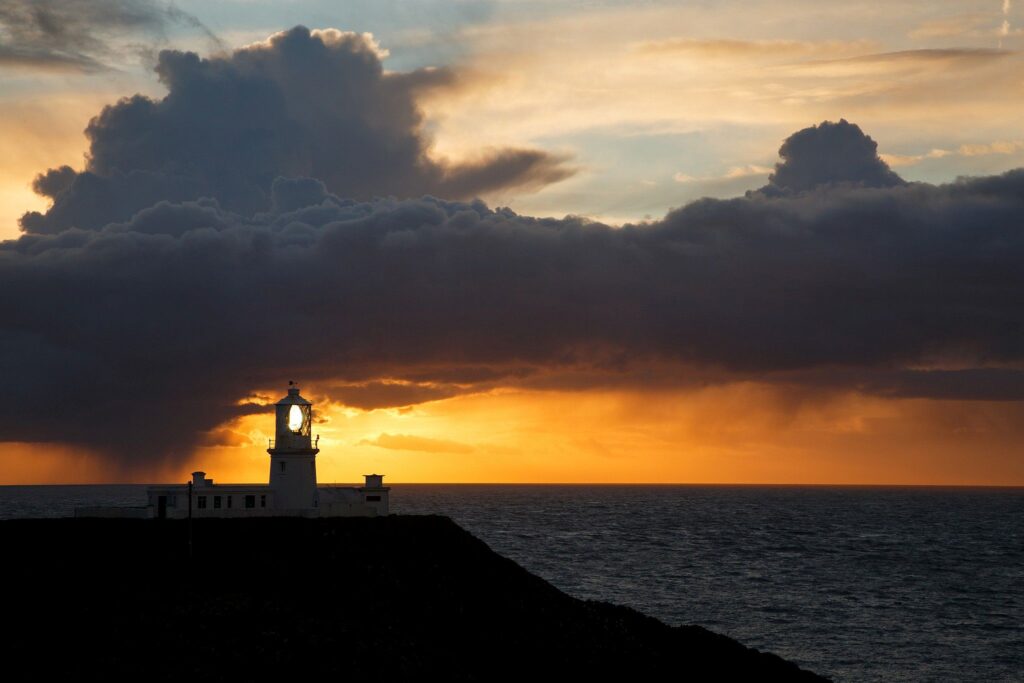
[[295, 418]]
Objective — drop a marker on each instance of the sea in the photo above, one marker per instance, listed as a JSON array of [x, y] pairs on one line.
[[854, 583]]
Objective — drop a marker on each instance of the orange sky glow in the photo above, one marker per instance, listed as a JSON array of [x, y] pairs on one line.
[[739, 433]]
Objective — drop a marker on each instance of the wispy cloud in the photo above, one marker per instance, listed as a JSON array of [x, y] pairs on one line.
[[916, 60], [953, 27], [408, 442], [965, 150], [733, 173], [729, 48], [50, 35], [1004, 28]]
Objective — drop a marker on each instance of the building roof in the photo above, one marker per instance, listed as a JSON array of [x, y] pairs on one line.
[[219, 488], [293, 398]]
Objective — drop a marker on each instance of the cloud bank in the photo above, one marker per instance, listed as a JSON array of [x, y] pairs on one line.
[[136, 317]]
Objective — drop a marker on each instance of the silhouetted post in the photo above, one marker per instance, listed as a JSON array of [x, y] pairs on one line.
[[189, 519]]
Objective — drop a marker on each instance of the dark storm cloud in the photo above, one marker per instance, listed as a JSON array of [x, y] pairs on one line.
[[78, 36], [141, 336], [982, 384], [372, 395], [311, 104]]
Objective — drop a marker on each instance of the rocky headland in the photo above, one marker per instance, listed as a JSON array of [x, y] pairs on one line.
[[392, 598]]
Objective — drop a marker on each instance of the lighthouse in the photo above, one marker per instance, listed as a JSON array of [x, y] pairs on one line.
[[293, 454], [291, 492]]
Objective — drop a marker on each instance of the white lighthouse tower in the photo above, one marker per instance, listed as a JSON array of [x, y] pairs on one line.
[[291, 492], [293, 455]]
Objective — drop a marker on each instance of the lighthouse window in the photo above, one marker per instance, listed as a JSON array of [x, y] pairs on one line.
[[263, 500], [216, 501], [373, 499], [250, 501], [201, 503], [295, 419], [283, 463], [229, 501]]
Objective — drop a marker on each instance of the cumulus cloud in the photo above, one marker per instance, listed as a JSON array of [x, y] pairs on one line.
[[314, 104], [140, 336], [827, 154], [79, 36]]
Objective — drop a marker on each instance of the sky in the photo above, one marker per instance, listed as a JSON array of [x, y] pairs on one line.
[[514, 241]]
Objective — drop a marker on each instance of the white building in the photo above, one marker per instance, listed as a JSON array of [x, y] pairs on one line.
[[292, 490]]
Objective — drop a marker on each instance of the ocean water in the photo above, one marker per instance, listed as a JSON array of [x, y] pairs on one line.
[[856, 583]]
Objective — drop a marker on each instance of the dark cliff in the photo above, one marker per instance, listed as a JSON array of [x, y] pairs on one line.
[[393, 598]]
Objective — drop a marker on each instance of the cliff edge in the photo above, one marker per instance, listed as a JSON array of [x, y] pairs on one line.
[[391, 598]]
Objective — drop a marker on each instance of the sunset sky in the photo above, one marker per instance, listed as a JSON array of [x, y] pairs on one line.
[[474, 233]]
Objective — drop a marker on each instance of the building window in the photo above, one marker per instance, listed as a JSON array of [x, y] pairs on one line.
[[373, 499], [250, 501], [201, 503], [216, 501], [282, 463], [263, 500], [229, 501]]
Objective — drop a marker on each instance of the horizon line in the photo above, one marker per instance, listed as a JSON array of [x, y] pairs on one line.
[[597, 483]]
